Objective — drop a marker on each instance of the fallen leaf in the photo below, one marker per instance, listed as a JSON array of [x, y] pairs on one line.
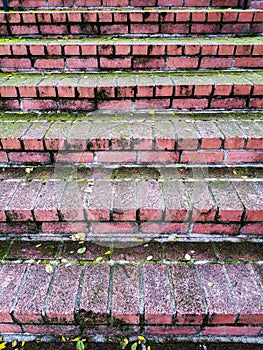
[[187, 257], [152, 111], [3, 345], [99, 259], [134, 346], [38, 245], [49, 268], [80, 236], [81, 250], [14, 343], [108, 252], [141, 339], [29, 170], [149, 258], [124, 343], [234, 172], [63, 339], [80, 345], [23, 343]]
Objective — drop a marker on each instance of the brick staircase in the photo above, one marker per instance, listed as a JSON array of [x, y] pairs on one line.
[[131, 192]]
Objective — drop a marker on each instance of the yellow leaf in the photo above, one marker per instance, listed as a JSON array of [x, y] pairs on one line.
[[14, 343], [38, 245], [234, 172], [149, 258], [108, 252], [141, 339], [29, 170], [151, 111], [23, 343], [148, 347], [243, 177], [76, 339], [3, 345], [49, 268], [63, 339]]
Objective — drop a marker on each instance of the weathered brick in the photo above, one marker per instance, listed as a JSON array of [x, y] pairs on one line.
[[210, 134], [188, 298], [10, 277], [29, 310], [7, 190], [21, 206], [125, 294], [177, 206], [99, 201], [33, 138], [124, 201], [221, 306], [229, 206], [62, 299], [150, 201], [46, 205], [93, 304], [247, 293], [156, 282], [231, 331]]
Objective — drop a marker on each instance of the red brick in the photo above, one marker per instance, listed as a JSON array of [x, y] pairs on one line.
[[93, 305], [157, 228], [10, 328], [29, 157], [125, 298], [159, 157], [10, 278], [248, 62], [114, 29], [208, 62], [183, 16], [52, 330], [157, 50], [37, 50], [209, 49], [203, 90], [22, 30], [149, 200], [99, 203], [226, 50], [115, 63], [62, 299], [182, 62], [124, 202], [5, 51], [256, 103], [152, 104], [204, 28], [8, 91], [188, 297], [174, 50], [71, 50], [105, 50], [244, 157], [172, 330], [61, 227], [123, 49], [249, 299], [32, 105], [257, 50], [230, 16], [242, 89], [115, 227], [47, 203], [46, 91], [192, 50], [56, 63], [3, 157], [182, 28], [214, 16], [29, 309], [53, 49], [258, 90], [245, 16], [115, 105], [157, 311], [76, 105], [255, 143], [21, 206], [190, 103], [232, 331], [27, 91], [198, 16], [150, 63], [228, 103], [222, 90], [220, 229]]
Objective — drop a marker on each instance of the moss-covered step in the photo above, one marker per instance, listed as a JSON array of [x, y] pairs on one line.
[[123, 54], [123, 22], [132, 91]]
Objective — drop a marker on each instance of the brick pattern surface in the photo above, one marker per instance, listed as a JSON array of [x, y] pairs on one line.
[[125, 54], [54, 4], [200, 142], [205, 208], [178, 91], [218, 300], [137, 22]]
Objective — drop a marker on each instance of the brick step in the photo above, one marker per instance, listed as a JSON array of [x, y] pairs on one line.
[[132, 91], [131, 22], [143, 139], [258, 4], [84, 4], [75, 55], [108, 206], [154, 289]]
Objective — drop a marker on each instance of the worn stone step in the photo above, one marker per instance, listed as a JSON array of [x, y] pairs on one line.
[[132, 91], [166, 54], [84, 4], [107, 205], [142, 139], [152, 289], [124, 22]]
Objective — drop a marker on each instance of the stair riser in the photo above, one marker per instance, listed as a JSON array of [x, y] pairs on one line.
[[179, 97], [76, 4], [132, 208], [79, 24], [125, 57]]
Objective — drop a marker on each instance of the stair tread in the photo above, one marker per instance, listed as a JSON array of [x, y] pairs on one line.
[[47, 289]]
